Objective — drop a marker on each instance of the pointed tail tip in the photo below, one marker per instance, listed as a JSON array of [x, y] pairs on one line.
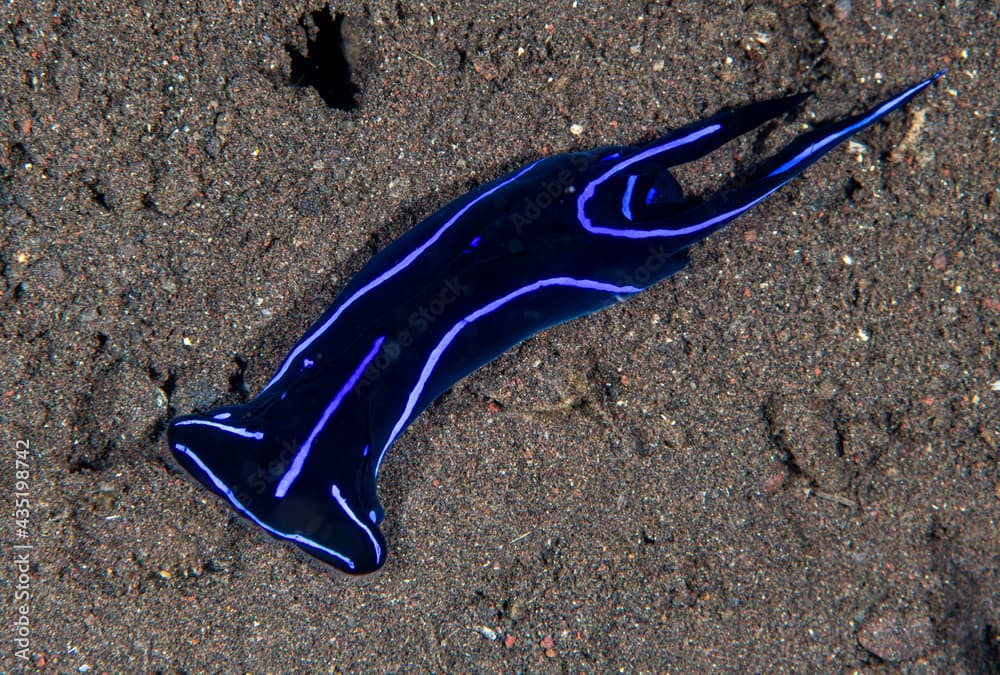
[[923, 84]]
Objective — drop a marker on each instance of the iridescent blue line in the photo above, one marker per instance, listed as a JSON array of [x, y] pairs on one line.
[[239, 431], [627, 197], [222, 488], [883, 109], [388, 274], [589, 191], [303, 453], [335, 491], [449, 337]]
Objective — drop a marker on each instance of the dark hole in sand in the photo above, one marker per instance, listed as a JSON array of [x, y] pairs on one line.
[[324, 65]]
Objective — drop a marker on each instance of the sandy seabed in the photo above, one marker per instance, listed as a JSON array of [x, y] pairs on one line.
[[783, 459]]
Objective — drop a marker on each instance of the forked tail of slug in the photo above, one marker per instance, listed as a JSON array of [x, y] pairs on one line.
[[651, 204]]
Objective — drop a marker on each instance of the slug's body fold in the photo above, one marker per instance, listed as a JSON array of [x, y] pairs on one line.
[[560, 238]]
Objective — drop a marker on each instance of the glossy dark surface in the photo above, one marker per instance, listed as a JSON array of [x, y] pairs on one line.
[[560, 238]]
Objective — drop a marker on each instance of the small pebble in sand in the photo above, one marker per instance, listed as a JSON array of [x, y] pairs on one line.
[[842, 9], [892, 637]]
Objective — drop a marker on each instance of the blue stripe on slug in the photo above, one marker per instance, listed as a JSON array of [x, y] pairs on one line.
[[385, 276], [342, 503], [560, 238], [657, 149], [239, 431], [627, 197], [303, 453], [306, 544], [842, 130], [620, 293]]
